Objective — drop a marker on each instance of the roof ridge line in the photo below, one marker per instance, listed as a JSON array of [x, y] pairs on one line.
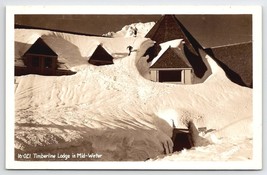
[[246, 42]]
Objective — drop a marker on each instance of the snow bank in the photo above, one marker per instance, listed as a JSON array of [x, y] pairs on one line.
[[114, 111], [226, 150], [132, 30]]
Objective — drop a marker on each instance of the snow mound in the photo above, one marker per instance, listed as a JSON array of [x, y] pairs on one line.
[[132, 30], [114, 111], [226, 150]]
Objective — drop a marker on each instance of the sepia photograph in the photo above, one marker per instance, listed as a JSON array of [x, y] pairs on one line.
[[150, 88]]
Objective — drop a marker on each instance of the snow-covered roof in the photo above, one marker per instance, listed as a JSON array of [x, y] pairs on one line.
[[68, 53], [236, 60], [73, 50], [41, 47], [170, 28], [171, 59], [101, 56], [171, 56]]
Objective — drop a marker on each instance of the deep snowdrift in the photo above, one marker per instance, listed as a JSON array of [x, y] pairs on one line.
[[114, 111], [132, 30]]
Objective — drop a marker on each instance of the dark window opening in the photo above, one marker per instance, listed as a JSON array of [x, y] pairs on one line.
[[35, 62], [48, 62], [170, 75], [181, 140]]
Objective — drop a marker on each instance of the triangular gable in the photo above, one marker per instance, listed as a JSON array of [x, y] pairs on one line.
[[170, 28], [101, 57], [40, 48], [171, 59]]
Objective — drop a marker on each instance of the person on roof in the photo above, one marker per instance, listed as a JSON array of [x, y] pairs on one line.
[[130, 48]]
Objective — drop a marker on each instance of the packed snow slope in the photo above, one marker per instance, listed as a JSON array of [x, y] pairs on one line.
[[135, 29], [114, 111]]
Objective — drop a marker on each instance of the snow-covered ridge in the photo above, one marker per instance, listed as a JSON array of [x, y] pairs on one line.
[[132, 30], [114, 111]]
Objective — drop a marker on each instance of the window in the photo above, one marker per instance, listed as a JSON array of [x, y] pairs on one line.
[[170, 76], [48, 62], [35, 61]]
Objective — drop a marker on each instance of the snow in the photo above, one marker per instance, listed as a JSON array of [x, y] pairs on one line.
[[235, 150], [115, 111], [129, 30]]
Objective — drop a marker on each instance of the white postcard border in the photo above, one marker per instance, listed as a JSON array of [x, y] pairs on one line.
[[256, 11]]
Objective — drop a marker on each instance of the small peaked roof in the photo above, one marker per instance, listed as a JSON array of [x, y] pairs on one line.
[[171, 59], [169, 28], [40, 47], [101, 56]]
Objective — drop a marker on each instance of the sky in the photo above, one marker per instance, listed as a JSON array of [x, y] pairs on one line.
[[209, 30]]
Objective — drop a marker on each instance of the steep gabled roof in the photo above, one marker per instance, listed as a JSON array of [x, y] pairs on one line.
[[40, 47], [169, 28], [101, 57], [236, 60], [171, 59]]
